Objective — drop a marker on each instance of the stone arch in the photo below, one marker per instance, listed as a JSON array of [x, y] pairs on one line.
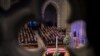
[[63, 8], [50, 15], [53, 3]]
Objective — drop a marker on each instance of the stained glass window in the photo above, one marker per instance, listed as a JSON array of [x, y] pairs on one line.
[[78, 34]]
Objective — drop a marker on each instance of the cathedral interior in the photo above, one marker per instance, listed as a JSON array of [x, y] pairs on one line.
[[43, 27]]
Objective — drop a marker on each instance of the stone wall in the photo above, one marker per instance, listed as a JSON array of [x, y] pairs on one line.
[[63, 11]]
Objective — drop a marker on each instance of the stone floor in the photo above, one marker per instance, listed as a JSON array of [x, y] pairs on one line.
[[86, 51]]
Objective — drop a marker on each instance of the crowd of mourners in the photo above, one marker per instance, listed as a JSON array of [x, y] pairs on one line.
[[48, 34], [26, 36]]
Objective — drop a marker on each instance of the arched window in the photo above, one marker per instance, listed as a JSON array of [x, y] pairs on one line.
[[78, 31], [50, 15]]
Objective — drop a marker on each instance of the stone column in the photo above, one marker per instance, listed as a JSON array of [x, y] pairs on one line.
[[5, 4]]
